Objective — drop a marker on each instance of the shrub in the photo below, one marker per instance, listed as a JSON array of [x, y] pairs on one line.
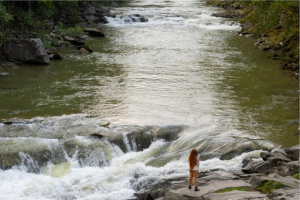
[[267, 186], [296, 176], [74, 30], [5, 17]]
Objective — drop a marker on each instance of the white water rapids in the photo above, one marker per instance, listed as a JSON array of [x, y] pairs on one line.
[[173, 71]]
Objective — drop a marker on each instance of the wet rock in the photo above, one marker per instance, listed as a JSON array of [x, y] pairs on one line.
[[73, 41], [83, 51], [138, 18], [139, 140], [293, 152], [169, 133], [4, 74], [94, 32], [239, 148], [26, 50], [113, 137], [89, 152], [53, 54], [86, 47], [134, 18], [32, 153]]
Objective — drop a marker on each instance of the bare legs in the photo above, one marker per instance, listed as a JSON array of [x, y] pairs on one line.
[[193, 175]]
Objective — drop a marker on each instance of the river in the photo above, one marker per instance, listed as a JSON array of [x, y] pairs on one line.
[[183, 71]]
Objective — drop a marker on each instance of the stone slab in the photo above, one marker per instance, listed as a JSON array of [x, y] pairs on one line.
[[236, 195]]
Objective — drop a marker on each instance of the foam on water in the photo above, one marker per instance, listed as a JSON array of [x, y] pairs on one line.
[[126, 173], [179, 16]]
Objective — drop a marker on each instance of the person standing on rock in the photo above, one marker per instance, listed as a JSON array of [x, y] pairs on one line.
[[194, 168]]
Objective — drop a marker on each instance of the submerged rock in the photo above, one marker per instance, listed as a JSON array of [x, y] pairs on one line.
[[33, 154], [94, 32], [53, 54]]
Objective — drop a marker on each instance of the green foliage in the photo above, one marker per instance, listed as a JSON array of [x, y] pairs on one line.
[[296, 176], [267, 186], [45, 8], [231, 189], [60, 25], [5, 17], [48, 42], [28, 21], [269, 16], [74, 30]]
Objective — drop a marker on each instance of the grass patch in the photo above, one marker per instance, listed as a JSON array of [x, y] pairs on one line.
[[267, 186], [231, 189], [296, 176]]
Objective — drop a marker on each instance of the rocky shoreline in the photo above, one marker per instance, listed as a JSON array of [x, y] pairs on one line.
[[283, 51], [279, 167], [29, 47]]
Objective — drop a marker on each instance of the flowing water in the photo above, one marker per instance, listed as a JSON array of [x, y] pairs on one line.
[[183, 73]]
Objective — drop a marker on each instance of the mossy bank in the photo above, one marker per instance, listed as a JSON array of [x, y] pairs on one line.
[[274, 24]]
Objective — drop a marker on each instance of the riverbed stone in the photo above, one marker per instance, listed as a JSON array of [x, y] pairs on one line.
[[26, 50], [94, 32], [4, 74], [83, 51], [53, 54]]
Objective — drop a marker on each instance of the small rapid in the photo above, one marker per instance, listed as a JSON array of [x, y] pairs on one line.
[[88, 165]]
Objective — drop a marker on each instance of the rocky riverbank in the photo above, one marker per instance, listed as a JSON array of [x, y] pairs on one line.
[[34, 48], [276, 32], [274, 176]]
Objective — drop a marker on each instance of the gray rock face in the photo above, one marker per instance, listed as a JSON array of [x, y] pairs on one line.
[[293, 152], [139, 138], [26, 50], [251, 166], [94, 14], [285, 181], [274, 158], [285, 194], [288, 169]]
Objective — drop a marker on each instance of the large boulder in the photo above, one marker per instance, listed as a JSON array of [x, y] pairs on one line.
[[29, 152], [251, 166], [293, 152], [26, 50], [94, 14], [274, 157], [288, 169], [285, 181]]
